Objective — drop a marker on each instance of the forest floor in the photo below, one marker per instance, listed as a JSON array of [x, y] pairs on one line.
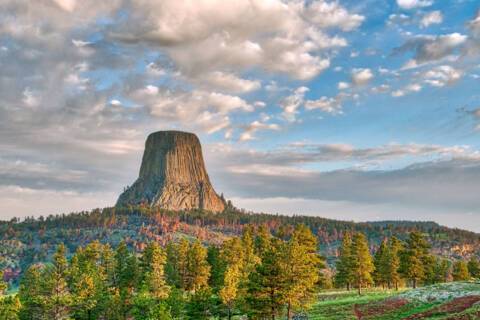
[[449, 301]]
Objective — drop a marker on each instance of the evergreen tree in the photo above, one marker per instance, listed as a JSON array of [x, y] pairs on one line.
[[344, 275], [460, 271], [266, 285], [442, 270], [217, 268], [147, 307], [382, 263], [430, 263], [233, 257], [393, 264], [176, 303], [152, 266], [412, 258], [228, 293], [200, 304], [198, 270], [31, 294], [9, 308], [362, 265], [3, 285], [301, 269], [89, 281], [172, 265], [474, 267], [58, 298], [126, 276], [262, 240]]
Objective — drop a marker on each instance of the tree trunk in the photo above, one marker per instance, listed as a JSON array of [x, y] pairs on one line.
[[414, 283], [289, 311], [229, 313], [359, 288], [348, 286]]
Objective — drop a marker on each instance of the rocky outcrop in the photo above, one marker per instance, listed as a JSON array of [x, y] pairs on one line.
[[173, 175]]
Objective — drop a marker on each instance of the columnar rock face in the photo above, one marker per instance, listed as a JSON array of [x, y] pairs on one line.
[[173, 175]]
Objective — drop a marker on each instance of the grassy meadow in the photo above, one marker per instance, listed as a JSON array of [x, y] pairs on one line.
[[452, 301]]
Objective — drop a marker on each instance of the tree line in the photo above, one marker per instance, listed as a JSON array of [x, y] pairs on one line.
[[397, 263], [255, 274]]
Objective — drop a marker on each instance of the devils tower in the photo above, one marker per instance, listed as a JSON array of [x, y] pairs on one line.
[[173, 175]]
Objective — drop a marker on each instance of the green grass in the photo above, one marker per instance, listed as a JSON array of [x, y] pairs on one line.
[[340, 305]]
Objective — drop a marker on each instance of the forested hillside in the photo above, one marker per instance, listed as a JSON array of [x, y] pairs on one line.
[[27, 241]]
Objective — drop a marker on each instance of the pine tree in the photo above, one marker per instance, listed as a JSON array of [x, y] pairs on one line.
[[442, 270], [381, 261], [152, 265], [228, 293], [393, 265], [146, 307], [412, 258], [9, 308], [344, 275], [181, 264], [172, 266], [198, 270], [301, 267], [31, 294], [262, 240], [460, 271], [429, 266], [89, 281], [3, 285], [267, 283], [232, 255], [217, 268], [362, 265], [58, 299], [248, 245], [200, 304], [474, 267], [126, 276]]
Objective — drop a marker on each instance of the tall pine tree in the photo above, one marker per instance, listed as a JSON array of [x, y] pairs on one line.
[[344, 267], [362, 265]]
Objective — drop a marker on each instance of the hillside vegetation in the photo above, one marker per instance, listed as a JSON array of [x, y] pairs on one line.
[[28, 241]]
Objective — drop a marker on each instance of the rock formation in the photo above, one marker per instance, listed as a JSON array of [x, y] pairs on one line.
[[173, 175]]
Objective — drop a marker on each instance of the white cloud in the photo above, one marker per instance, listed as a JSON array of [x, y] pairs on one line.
[[414, 87], [398, 19], [434, 17], [285, 37], [333, 15], [67, 5], [474, 25], [325, 104], [428, 48], [412, 4], [381, 88], [230, 82], [251, 129], [343, 85], [291, 103], [442, 75], [30, 99], [361, 76]]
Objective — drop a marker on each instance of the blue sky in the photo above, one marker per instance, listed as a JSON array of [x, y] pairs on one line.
[[354, 110]]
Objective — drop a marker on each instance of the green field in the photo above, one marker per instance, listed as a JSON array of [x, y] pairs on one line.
[[458, 300]]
